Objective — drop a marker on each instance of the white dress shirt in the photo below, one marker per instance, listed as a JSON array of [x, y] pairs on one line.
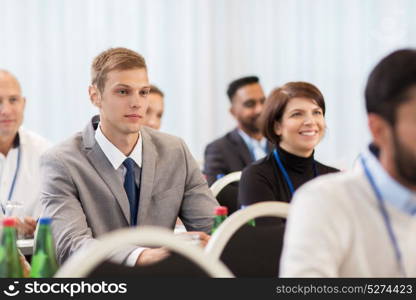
[[116, 158], [257, 149], [335, 226], [24, 197]]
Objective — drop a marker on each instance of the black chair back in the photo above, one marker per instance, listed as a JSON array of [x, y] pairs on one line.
[[255, 251], [174, 265], [229, 197]]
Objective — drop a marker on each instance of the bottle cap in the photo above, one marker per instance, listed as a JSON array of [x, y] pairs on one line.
[[9, 222], [45, 221], [221, 210]]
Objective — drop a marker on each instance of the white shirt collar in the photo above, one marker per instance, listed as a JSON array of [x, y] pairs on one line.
[[250, 141], [22, 136], [257, 149], [114, 155]]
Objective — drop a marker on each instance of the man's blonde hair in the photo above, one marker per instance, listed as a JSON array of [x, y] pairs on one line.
[[114, 59]]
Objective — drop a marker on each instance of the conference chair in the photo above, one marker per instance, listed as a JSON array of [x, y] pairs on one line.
[[251, 251], [186, 260], [225, 190]]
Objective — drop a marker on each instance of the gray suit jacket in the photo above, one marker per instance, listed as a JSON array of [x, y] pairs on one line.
[[82, 193]]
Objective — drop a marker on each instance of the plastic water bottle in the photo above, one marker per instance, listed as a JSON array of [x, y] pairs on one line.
[[44, 263], [220, 214], [10, 266]]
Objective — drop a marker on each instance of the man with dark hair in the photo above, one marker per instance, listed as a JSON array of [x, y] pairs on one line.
[[361, 223], [118, 173], [245, 144]]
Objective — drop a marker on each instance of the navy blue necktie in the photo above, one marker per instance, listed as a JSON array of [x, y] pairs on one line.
[[131, 190]]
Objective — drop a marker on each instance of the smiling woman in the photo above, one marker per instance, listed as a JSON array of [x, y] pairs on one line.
[[293, 120]]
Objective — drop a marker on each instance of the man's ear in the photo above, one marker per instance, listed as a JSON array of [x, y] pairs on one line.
[[95, 95], [232, 112], [380, 129]]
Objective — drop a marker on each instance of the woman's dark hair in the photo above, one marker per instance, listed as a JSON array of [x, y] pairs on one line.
[[278, 99]]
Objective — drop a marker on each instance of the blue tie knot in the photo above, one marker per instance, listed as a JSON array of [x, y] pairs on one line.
[[129, 164]]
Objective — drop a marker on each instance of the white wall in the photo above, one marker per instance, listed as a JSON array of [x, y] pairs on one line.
[[194, 48]]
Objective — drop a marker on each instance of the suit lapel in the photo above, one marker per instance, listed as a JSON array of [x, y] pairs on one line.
[[106, 171], [149, 155], [241, 147]]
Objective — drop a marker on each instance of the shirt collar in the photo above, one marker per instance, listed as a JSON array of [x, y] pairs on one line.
[[114, 155], [23, 139], [391, 191], [250, 142], [17, 142]]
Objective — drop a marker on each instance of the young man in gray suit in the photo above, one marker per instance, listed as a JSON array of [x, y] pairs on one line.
[[117, 173]]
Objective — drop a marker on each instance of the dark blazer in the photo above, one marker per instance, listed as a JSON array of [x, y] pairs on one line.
[[227, 154]]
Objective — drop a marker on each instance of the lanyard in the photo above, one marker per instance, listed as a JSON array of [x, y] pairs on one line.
[[386, 218], [19, 153], [16, 172], [286, 175]]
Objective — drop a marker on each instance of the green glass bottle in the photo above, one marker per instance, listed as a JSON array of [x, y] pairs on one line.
[[10, 266], [220, 214], [44, 263]]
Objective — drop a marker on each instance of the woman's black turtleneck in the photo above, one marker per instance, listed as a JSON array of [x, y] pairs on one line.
[[263, 180]]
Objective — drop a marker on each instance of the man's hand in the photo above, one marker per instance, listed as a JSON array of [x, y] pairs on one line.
[[200, 236], [26, 227], [25, 266], [151, 256]]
